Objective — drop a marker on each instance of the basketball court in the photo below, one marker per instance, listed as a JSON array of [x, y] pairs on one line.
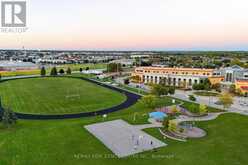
[[122, 138]]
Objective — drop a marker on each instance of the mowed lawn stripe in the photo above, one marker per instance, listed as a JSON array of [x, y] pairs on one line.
[[57, 96]]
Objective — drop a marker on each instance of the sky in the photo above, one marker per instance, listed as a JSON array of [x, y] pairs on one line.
[[133, 25]]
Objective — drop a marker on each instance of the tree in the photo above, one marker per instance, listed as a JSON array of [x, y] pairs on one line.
[[232, 89], [9, 118], [113, 67], [205, 85], [54, 72], [68, 71], [226, 100], [137, 61], [174, 109], [159, 90], [61, 71], [126, 81], [203, 109], [217, 87], [239, 92], [171, 90], [172, 126], [163, 81], [166, 124], [148, 101], [43, 71], [136, 79], [80, 69]]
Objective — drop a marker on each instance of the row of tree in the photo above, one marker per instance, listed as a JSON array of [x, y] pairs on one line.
[[161, 90], [205, 85], [54, 71]]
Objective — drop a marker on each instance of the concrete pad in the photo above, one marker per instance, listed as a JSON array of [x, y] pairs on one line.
[[122, 138]]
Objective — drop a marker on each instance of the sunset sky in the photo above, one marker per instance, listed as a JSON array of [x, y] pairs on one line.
[[133, 25]]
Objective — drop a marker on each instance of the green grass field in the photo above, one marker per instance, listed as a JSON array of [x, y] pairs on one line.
[[67, 142], [56, 96], [74, 67]]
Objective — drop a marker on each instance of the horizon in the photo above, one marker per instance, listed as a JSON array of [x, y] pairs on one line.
[[138, 25]]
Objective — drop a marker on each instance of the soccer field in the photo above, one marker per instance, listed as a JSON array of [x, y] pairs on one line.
[[57, 96]]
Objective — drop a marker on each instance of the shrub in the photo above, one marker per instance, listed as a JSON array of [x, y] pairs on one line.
[[193, 108], [159, 90], [202, 109], [68, 71], [43, 71], [172, 90], [9, 118], [226, 100], [192, 98], [54, 71], [200, 86], [172, 126], [61, 71], [126, 81], [148, 101]]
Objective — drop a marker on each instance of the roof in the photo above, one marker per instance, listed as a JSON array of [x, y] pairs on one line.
[[234, 67], [16, 64], [185, 69], [242, 80], [244, 87]]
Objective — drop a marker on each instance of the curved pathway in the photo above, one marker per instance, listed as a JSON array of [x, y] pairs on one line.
[[181, 118], [132, 98], [210, 116]]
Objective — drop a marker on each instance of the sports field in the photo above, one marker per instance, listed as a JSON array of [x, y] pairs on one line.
[[57, 96]]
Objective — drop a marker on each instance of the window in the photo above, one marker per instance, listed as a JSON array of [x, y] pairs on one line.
[[190, 82]]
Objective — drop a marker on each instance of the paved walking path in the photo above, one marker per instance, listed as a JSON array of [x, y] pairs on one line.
[[181, 118], [210, 116]]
